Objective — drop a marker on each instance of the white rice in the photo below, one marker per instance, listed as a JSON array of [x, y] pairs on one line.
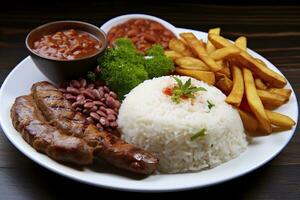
[[151, 120]]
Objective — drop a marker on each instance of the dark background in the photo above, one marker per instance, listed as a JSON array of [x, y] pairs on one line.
[[272, 29]]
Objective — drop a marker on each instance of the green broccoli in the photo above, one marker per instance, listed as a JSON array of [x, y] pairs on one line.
[[121, 77], [156, 63], [122, 67]]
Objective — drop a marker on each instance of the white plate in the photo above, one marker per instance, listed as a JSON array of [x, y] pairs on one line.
[[260, 151]]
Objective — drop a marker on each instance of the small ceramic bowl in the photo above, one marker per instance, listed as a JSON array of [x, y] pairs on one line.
[[123, 18], [55, 69]]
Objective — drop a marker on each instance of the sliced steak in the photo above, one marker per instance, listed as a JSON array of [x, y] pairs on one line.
[[29, 121]]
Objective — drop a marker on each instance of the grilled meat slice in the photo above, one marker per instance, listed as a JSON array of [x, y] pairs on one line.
[[106, 146], [29, 121], [119, 153], [57, 110]]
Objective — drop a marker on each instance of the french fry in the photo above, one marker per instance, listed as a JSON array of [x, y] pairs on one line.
[[249, 121], [191, 63], [224, 84], [225, 68], [270, 100], [208, 77], [224, 53], [255, 103], [260, 84], [280, 119], [218, 41], [281, 91], [209, 46], [248, 61], [276, 129], [236, 95], [263, 72], [200, 51], [178, 46], [241, 43], [172, 54]]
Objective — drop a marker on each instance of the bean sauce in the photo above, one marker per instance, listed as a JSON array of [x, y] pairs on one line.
[[143, 32], [67, 45]]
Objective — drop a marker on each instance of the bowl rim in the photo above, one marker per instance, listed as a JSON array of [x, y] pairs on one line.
[[123, 18], [102, 48]]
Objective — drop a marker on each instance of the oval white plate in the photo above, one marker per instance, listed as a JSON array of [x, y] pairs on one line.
[[260, 151]]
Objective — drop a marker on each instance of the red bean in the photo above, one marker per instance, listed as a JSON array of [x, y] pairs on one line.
[[80, 98], [82, 83], [101, 113], [95, 116], [89, 105], [75, 84], [94, 108], [70, 97], [73, 91], [88, 94], [111, 118], [90, 86]]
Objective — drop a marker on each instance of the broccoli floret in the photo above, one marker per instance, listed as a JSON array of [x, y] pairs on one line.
[[156, 63], [155, 50], [121, 77], [125, 43]]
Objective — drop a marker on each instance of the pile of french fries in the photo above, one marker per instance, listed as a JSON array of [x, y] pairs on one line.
[[253, 88]]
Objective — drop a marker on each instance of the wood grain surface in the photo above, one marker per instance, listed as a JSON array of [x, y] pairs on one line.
[[272, 31]]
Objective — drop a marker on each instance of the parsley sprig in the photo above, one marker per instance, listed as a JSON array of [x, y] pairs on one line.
[[200, 133], [184, 90], [210, 105]]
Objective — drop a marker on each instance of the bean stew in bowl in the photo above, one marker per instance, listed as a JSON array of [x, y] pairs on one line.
[[143, 30], [65, 49]]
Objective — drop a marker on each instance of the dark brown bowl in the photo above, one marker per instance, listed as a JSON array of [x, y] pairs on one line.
[[58, 70]]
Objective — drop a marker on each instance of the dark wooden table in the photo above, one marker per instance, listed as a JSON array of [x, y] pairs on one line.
[[272, 31]]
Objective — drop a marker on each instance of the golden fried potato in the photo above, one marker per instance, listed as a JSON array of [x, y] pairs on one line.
[[218, 41], [263, 72], [209, 46], [191, 63], [224, 84], [271, 100], [236, 95], [208, 77], [225, 68], [260, 84], [249, 121], [172, 54], [281, 91], [224, 53], [178, 46], [280, 119], [255, 103], [241, 43], [248, 61], [198, 49]]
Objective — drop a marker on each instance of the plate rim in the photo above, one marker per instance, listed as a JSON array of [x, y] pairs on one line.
[[122, 188]]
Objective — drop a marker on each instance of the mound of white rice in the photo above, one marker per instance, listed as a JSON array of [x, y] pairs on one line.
[[149, 119]]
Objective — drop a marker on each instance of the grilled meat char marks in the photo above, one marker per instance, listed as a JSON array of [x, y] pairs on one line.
[[29, 121], [106, 146]]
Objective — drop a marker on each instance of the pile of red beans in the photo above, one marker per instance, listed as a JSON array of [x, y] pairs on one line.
[[96, 101], [143, 32]]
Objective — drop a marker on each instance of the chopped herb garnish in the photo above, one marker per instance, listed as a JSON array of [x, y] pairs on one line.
[[210, 105], [200, 133], [184, 90]]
